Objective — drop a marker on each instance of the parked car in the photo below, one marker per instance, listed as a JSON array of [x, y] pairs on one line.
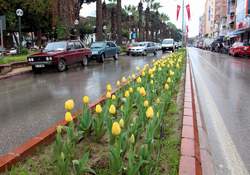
[[168, 45], [240, 49], [143, 48], [60, 54], [104, 49], [158, 46], [12, 51], [129, 46]]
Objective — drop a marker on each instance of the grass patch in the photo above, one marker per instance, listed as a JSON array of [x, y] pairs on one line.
[[11, 59]]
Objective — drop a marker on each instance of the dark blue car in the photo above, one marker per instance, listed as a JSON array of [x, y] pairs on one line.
[[104, 49]]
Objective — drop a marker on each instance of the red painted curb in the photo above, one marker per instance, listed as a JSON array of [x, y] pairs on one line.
[[190, 162]]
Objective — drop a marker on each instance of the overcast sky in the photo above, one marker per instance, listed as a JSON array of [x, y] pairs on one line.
[[169, 7]]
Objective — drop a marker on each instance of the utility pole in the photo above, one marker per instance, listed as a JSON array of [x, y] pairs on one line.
[[183, 24]]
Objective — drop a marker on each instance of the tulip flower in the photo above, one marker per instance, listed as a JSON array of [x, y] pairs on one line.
[[126, 94], [133, 76], [131, 90], [98, 108], [108, 94], [85, 100], [169, 80], [151, 81], [116, 129], [150, 112], [118, 83], [132, 139], [59, 129], [109, 87], [146, 103], [113, 97], [121, 123], [143, 92], [69, 105], [138, 80], [112, 109], [166, 86], [124, 80], [68, 117], [143, 73], [158, 100]]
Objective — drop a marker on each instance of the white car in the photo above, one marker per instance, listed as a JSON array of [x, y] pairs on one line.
[[143, 48], [168, 45]]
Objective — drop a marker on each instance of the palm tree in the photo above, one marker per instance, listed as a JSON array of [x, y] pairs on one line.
[[119, 17], [140, 10], [99, 20]]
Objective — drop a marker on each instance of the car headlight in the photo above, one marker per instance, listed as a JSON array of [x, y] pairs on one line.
[[30, 59]]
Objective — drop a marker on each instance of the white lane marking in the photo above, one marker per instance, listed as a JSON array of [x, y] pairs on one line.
[[229, 151]]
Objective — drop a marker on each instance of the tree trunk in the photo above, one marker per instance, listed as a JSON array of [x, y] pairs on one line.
[[99, 21], [119, 22], [147, 23], [140, 9], [113, 24]]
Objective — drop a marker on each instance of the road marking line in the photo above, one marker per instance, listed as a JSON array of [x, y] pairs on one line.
[[229, 151]]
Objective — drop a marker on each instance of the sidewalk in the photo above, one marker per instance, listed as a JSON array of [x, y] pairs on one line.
[[16, 71]]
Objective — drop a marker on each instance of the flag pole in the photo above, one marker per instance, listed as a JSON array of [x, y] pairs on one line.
[[183, 24]]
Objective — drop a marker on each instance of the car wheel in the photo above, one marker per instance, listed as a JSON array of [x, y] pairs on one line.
[[155, 53], [128, 53], [116, 56], [85, 61], [61, 66], [101, 58], [144, 53]]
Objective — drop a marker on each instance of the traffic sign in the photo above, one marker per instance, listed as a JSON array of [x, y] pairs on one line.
[[19, 12]]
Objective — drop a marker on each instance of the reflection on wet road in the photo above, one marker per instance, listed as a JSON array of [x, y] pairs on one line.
[[223, 88], [31, 103]]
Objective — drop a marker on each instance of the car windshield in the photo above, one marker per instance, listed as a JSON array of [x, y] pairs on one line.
[[55, 46], [98, 45], [167, 41]]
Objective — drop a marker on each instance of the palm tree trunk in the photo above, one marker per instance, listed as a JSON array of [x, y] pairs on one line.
[[99, 21], [140, 9], [113, 24], [147, 23], [119, 22]]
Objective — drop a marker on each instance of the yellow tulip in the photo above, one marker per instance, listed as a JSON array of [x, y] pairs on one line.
[[68, 117], [85, 99], [152, 76], [131, 90], [98, 109], [143, 92], [146, 103], [177, 66], [133, 76], [169, 80], [121, 123], [69, 105], [138, 80], [143, 74], [124, 80], [132, 139], [113, 97], [166, 86], [116, 129], [150, 112], [118, 83], [152, 82], [126, 94], [138, 68], [108, 94], [109, 87], [122, 107], [158, 100], [112, 109]]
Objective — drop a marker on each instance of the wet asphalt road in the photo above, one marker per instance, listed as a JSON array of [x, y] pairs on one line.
[[31, 103], [223, 85]]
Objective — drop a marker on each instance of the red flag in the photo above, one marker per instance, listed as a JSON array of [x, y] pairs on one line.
[[188, 11], [178, 11], [187, 28]]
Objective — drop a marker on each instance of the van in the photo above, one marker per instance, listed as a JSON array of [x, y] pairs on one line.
[[168, 45]]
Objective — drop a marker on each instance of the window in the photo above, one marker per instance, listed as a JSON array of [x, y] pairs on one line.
[[78, 45], [71, 46], [112, 44]]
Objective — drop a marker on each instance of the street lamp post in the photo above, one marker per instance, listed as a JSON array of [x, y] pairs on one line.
[[19, 13]]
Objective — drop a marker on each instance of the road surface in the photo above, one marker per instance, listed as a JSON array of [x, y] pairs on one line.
[[223, 85], [31, 103]]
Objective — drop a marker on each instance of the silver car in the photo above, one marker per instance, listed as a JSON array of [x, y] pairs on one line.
[[143, 48]]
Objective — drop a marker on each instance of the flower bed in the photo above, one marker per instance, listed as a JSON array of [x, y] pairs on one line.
[[132, 132]]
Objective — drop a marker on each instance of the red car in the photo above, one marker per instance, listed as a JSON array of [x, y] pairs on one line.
[[240, 49], [60, 54]]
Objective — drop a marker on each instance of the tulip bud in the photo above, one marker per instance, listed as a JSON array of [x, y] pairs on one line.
[[98, 108], [69, 105], [85, 100], [68, 117], [109, 87], [132, 139], [108, 94], [112, 109], [121, 123], [116, 129], [113, 97], [150, 112]]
